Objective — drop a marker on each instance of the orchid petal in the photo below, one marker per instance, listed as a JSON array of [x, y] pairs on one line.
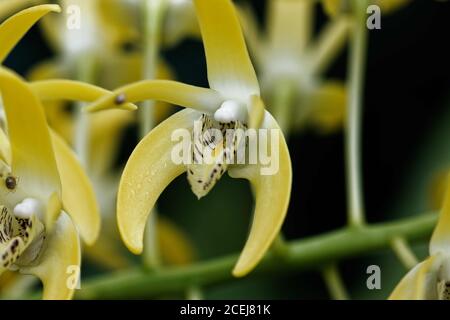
[[81, 204], [286, 17], [13, 29], [59, 264], [149, 170], [272, 193], [58, 89], [33, 159], [440, 241], [418, 282], [230, 70], [202, 99]]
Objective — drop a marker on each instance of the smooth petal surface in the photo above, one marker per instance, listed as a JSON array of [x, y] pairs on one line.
[[149, 170], [230, 70], [78, 196], [272, 194], [60, 261], [440, 241], [13, 29], [33, 160], [59, 89], [177, 93], [419, 282]]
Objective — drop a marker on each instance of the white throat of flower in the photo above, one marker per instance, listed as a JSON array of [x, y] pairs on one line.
[[216, 140], [21, 234], [443, 285]]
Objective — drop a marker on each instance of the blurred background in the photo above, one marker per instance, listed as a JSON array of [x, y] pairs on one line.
[[406, 143]]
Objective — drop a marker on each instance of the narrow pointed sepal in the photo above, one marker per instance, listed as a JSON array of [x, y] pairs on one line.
[[59, 89], [230, 69], [78, 196], [177, 93], [271, 186], [59, 264], [13, 29], [33, 160], [147, 173], [440, 241]]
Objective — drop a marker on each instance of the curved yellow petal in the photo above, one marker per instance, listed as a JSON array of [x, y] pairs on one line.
[[420, 282], [272, 189], [33, 160], [328, 107], [290, 24], [58, 116], [78, 196], [59, 89], [230, 70], [59, 263], [147, 173], [177, 93], [440, 241], [13, 29]]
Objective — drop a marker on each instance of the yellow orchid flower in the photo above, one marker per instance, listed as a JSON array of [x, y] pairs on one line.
[[175, 247], [179, 21], [430, 279], [334, 7], [290, 65], [232, 102], [38, 174]]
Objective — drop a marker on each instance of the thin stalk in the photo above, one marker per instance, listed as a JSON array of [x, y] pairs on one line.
[[334, 282], [303, 254], [282, 104], [331, 41], [354, 113], [153, 11], [86, 68], [404, 253]]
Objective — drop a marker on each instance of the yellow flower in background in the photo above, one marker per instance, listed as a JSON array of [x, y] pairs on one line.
[[40, 215], [335, 7], [430, 279], [179, 21], [291, 65], [233, 102]]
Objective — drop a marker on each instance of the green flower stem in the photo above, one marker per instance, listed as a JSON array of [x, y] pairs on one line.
[[303, 254], [153, 11], [354, 111], [86, 69], [401, 248], [334, 282]]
